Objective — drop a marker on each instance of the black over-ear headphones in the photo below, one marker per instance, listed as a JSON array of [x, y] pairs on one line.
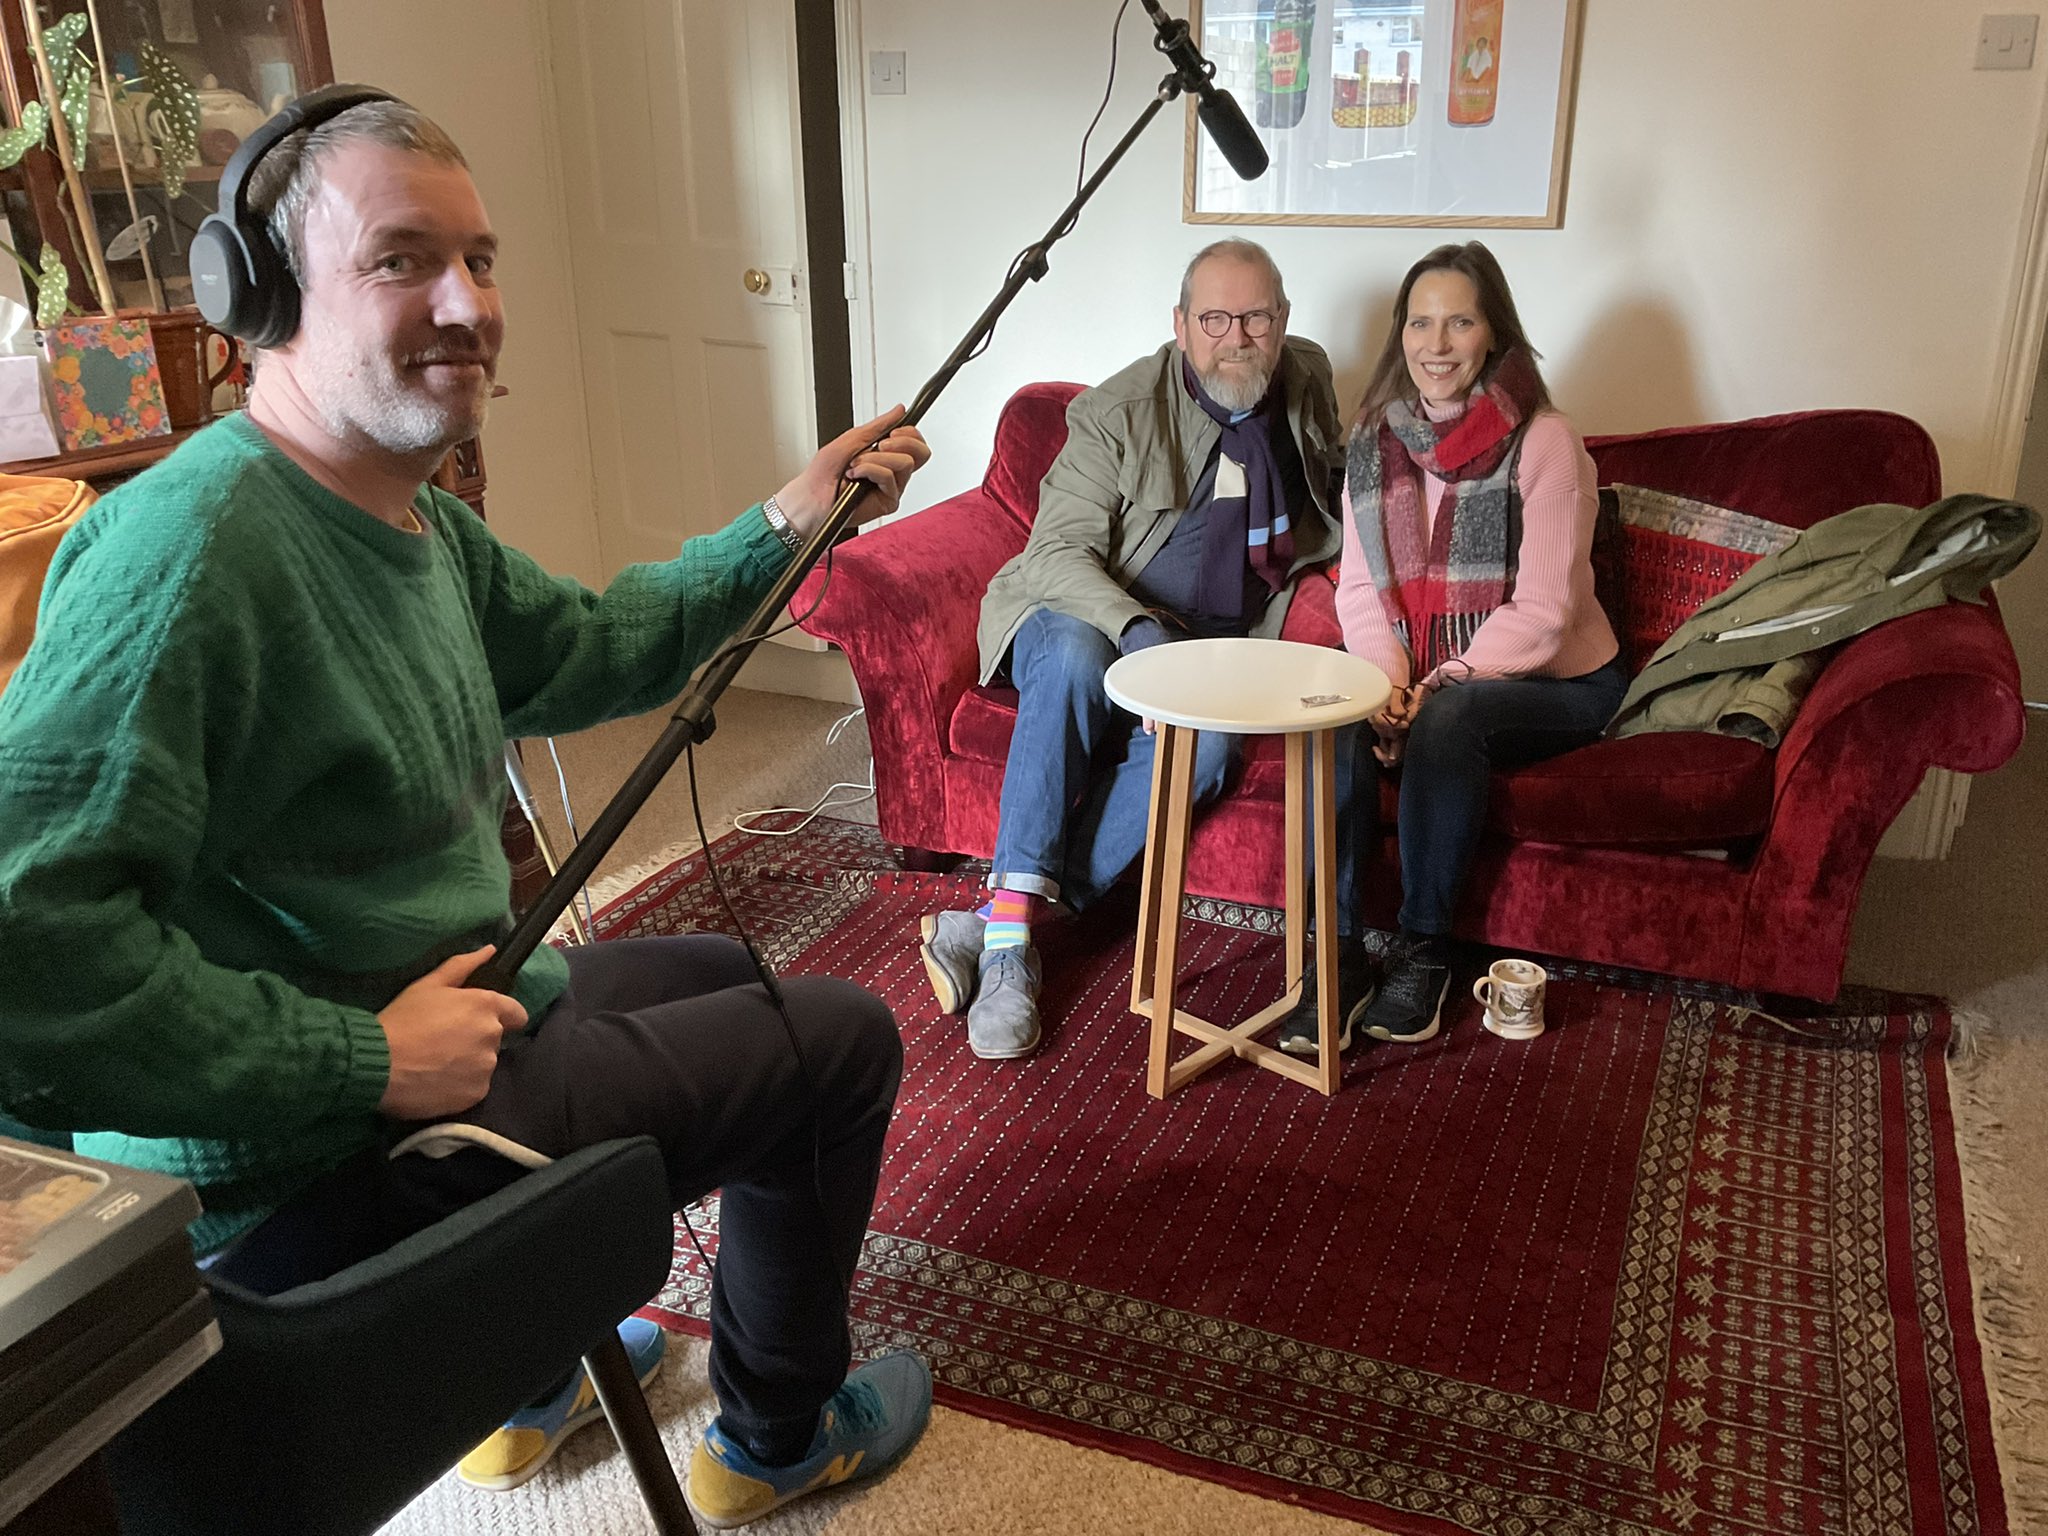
[[240, 278]]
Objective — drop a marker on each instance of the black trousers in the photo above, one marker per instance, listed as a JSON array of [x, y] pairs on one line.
[[672, 1038]]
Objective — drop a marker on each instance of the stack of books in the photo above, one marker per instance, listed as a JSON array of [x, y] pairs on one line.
[[101, 1308]]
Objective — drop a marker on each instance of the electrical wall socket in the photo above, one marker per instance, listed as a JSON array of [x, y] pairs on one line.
[[2006, 42]]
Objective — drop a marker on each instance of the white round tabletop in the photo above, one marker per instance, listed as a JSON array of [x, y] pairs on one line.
[[1248, 687]]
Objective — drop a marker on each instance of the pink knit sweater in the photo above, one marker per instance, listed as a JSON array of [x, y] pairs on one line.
[[1551, 625]]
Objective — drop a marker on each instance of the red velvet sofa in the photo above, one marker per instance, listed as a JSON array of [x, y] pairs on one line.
[[1594, 855]]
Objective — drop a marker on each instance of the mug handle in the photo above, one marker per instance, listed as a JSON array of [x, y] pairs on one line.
[[231, 360], [1482, 990]]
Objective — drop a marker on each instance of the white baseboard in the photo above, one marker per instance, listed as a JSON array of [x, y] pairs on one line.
[[806, 674], [1927, 827]]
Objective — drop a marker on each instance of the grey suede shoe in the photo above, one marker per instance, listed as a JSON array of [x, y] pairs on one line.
[[1003, 1022], [952, 955]]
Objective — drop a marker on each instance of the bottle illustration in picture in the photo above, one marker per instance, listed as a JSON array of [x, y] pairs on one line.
[[1284, 34], [1348, 107], [1475, 61]]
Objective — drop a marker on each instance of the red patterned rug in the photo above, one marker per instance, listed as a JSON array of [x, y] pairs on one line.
[[1667, 1268]]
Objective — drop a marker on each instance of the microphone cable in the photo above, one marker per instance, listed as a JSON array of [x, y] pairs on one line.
[[770, 983]]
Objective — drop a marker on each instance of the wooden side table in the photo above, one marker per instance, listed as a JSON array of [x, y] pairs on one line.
[[1249, 688]]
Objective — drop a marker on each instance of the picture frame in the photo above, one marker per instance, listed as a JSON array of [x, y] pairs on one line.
[[1451, 114]]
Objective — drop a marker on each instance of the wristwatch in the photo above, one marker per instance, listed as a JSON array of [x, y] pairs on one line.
[[781, 526]]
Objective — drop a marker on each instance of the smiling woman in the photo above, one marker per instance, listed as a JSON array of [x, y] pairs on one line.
[[1467, 578]]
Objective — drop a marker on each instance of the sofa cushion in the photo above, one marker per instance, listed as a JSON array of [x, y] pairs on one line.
[[1663, 789], [1673, 554]]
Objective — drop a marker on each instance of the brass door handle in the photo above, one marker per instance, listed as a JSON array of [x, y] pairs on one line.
[[756, 281]]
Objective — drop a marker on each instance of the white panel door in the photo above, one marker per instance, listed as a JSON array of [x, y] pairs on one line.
[[685, 199]]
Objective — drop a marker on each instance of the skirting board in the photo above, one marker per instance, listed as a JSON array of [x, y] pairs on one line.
[[1927, 827], [808, 674]]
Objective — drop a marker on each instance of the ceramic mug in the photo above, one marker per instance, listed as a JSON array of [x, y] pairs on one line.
[[1512, 993], [183, 358]]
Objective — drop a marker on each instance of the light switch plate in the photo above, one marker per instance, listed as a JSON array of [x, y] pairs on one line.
[[887, 74], [2006, 42]]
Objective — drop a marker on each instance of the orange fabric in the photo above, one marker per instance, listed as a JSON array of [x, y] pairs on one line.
[[34, 514]]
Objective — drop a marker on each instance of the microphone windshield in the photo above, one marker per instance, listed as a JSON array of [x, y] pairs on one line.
[[1233, 136]]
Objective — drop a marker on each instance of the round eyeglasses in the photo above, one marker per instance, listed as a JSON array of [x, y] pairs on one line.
[[1217, 322]]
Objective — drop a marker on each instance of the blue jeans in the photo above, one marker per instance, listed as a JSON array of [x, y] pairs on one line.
[[1078, 782], [1461, 736]]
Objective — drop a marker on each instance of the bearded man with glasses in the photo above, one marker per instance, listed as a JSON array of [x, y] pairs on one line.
[[1196, 486]]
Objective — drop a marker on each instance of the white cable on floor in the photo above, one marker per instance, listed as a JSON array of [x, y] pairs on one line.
[[824, 802]]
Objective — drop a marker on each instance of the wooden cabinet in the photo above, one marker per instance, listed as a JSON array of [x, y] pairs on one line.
[[244, 57]]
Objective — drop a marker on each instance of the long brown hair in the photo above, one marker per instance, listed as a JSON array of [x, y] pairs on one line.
[[1390, 380]]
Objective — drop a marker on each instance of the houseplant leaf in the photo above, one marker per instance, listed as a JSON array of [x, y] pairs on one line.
[[173, 116], [61, 37], [16, 142], [53, 287], [75, 98]]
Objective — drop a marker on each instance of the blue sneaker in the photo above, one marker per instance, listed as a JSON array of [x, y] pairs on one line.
[[522, 1447], [866, 1427]]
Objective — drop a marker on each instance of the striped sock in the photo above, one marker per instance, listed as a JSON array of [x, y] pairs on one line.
[[1009, 920]]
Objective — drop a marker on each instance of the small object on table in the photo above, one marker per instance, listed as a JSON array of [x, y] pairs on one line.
[[1253, 688]]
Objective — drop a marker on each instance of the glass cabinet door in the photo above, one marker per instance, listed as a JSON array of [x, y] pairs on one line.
[[242, 58]]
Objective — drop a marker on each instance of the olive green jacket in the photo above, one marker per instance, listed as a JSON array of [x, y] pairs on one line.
[[1742, 664], [1136, 447]]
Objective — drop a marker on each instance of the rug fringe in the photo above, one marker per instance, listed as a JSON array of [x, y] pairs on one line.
[[2006, 1305]]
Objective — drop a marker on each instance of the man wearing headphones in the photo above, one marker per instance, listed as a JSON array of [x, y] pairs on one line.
[[250, 774]]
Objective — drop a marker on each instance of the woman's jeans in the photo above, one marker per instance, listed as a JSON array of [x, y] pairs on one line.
[[1462, 735]]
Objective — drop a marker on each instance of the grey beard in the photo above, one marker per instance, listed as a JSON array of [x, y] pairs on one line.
[[403, 426], [1238, 392]]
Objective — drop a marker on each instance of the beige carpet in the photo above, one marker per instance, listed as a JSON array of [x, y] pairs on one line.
[[1970, 929]]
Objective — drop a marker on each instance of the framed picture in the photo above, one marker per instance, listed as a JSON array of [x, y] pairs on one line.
[[1432, 113]]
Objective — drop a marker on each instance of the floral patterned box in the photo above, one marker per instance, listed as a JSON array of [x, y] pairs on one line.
[[103, 375]]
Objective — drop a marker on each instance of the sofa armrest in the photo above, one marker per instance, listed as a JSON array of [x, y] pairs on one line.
[[1939, 688], [903, 603], [1944, 681]]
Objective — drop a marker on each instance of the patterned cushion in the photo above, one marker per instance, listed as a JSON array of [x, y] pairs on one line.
[[1665, 555]]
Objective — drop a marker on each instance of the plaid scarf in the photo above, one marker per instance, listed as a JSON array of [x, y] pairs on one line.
[[1436, 597], [1252, 525]]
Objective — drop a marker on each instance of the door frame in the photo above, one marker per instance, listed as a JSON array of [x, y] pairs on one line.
[[2026, 330], [853, 169]]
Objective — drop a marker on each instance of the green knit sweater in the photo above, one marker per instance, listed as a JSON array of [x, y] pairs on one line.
[[251, 777]]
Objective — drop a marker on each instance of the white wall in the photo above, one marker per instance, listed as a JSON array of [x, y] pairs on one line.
[[479, 70], [1772, 205]]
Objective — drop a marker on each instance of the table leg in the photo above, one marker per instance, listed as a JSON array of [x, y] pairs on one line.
[[1146, 957], [1176, 745], [1327, 1001], [1294, 907]]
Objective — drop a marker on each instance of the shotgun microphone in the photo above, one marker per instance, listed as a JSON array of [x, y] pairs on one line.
[[1219, 111]]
